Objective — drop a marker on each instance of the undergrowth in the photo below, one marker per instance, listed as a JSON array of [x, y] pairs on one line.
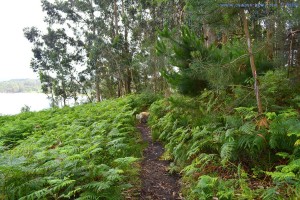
[[83, 152], [224, 150]]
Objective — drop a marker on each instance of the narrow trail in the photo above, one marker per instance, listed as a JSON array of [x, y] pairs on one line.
[[157, 183]]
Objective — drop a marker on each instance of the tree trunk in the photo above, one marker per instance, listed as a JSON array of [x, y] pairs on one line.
[[252, 63], [209, 35], [98, 92], [269, 44], [270, 28], [127, 55], [116, 17], [97, 73], [290, 58], [119, 83]]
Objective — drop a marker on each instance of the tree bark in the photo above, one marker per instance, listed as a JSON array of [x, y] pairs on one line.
[[98, 92], [127, 56], [270, 28], [269, 45], [209, 35], [252, 63], [290, 59], [116, 17]]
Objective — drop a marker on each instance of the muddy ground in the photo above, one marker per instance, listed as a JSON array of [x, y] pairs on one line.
[[157, 183]]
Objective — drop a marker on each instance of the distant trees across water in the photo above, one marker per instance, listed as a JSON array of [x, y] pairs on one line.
[[20, 86]]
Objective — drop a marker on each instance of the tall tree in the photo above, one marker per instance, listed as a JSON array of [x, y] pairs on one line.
[[55, 61], [252, 63]]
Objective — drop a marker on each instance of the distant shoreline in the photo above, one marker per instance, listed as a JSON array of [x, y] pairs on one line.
[[20, 86]]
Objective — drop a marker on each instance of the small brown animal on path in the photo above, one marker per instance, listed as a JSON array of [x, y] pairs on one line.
[[142, 117]]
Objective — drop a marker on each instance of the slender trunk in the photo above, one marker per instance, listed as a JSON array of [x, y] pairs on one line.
[[126, 52], [75, 98], [119, 89], [293, 54], [53, 101], [252, 63], [128, 80], [209, 35], [155, 74], [98, 92], [269, 27], [113, 32], [119, 84], [298, 61], [294, 58], [84, 91], [97, 73], [64, 94], [290, 59], [116, 17], [116, 34], [269, 44]]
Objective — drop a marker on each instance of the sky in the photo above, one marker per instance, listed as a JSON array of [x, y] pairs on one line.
[[15, 50]]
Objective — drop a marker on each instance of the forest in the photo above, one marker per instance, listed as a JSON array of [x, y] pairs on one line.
[[20, 85], [220, 79]]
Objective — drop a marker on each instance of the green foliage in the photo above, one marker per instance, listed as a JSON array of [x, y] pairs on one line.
[[83, 152], [20, 85], [206, 137], [143, 101], [25, 108], [284, 129], [277, 89], [193, 67], [287, 177], [211, 187], [189, 79]]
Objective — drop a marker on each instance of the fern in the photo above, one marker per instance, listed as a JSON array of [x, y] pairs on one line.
[[247, 128], [282, 128], [199, 163], [246, 113], [270, 194], [85, 151], [228, 151], [40, 194]]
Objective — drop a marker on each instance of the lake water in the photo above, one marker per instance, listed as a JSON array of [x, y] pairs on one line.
[[11, 103]]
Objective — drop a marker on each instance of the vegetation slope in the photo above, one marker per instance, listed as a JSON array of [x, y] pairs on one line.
[[216, 140], [83, 152], [224, 149]]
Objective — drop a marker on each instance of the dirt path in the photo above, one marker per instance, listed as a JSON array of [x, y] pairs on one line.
[[157, 183]]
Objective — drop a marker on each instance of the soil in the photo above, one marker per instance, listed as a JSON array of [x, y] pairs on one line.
[[157, 183]]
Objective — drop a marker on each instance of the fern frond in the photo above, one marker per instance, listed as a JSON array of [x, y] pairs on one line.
[[248, 128], [228, 151], [97, 186], [270, 194]]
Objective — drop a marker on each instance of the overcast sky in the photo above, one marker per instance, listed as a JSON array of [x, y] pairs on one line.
[[15, 50]]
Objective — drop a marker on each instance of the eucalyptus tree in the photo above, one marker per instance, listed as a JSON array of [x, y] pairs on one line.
[[105, 28], [55, 61], [292, 38], [149, 17], [87, 21]]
